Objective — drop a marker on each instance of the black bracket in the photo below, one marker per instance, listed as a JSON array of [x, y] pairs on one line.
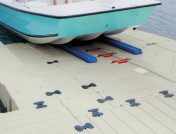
[[88, 86], [51, 62], [107, 98], [52, 93], [166, 94], [95, 112], [40, 104], [133, 103], [81, 128], [150, 44]]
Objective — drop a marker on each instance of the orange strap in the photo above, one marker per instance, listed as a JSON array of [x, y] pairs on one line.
[[106, 55], [120, 61]]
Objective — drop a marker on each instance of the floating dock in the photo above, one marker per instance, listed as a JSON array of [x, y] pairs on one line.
[[46, 90]]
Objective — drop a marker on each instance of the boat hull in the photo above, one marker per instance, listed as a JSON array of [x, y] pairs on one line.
[[41, 29]]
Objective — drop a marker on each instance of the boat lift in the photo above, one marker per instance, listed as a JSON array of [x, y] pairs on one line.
[[79, 53], [85, 56]]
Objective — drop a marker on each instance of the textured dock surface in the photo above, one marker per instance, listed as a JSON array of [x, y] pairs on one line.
[[25, 74]]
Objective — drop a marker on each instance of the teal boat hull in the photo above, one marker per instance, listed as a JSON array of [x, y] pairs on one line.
[[37, 27]]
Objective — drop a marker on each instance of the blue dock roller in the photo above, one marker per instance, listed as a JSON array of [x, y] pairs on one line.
[[80, 54], [122, 45]]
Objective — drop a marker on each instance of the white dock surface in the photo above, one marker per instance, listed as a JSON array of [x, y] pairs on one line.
[[26, 76]]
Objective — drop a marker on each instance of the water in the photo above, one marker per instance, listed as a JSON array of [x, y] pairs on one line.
[[2, 108], [162, 22], [7, 37]]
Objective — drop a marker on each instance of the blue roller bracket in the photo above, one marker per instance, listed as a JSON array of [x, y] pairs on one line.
[[121, 45], [79, 53]]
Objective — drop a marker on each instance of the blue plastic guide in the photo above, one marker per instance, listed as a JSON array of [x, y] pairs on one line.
[[79, 53], [121, 45]]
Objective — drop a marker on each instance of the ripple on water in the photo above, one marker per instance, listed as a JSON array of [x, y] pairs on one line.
[[163, 21]]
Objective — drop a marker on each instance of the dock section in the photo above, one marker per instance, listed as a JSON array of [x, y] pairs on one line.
[[135, 94]]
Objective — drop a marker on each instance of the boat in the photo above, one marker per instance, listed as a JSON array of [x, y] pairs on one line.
[[61, 21]]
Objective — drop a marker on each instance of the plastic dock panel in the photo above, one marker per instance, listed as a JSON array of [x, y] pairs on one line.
[[122, 45], [80, 54], [74, 97]]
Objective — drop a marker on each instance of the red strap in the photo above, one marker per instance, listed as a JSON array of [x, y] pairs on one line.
[[94, 50], [121, 61], [106, 55]]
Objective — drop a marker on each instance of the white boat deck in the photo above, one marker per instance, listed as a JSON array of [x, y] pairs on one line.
[[26, 76], [73, 8]]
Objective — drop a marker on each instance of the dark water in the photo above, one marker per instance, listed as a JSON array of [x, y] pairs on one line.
[[2, 108], [162, 22], [7, 37]]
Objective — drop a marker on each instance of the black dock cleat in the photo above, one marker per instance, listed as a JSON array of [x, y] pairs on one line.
[[95, 112], [133, 103], [40, 104], [166, 94], [86, 126], [53, 93]]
